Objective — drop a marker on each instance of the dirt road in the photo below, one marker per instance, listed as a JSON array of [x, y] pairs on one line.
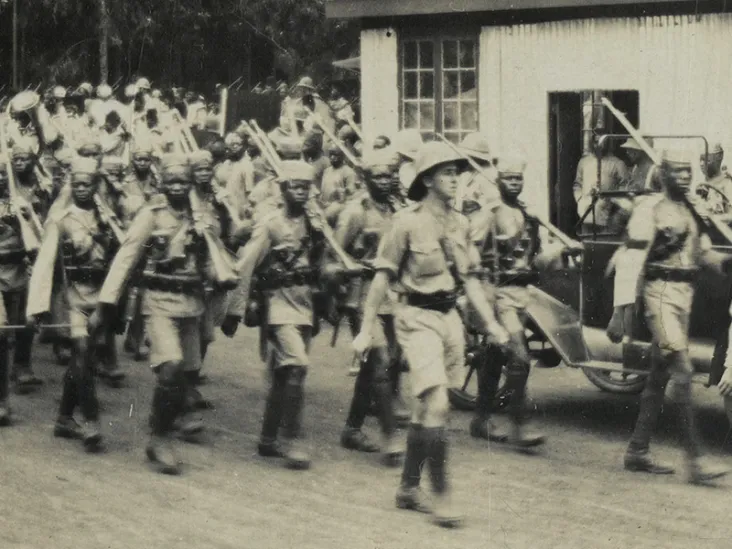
[[573, 495]]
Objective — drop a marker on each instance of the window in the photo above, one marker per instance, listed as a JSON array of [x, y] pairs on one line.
[[439, 86]]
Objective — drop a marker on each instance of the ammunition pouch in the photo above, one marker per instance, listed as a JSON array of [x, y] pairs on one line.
[[670, 274], [85, 274], [274, 279], [442, 302], [176, 284], [12, 257]]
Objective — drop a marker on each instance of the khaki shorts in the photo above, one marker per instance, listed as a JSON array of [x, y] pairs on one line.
[[434, 346], [510, 308], [667, 309], [175, 340], [290, 344]]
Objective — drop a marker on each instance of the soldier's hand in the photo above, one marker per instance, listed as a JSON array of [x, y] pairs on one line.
[[725, 384], [362, 342], [616, 327], [497, 333], [230, 325], [95, 322], [36, 321]]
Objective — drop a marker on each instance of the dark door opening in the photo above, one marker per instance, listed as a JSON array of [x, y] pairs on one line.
[[572, 119]]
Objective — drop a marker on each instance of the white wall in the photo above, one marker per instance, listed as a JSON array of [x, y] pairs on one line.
[[379, 78], [680, 65]]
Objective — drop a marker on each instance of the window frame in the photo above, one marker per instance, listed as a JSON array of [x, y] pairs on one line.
[[438, 38]]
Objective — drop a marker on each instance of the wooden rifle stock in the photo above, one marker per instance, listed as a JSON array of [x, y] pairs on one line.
[[224, 274], [30, 231], [109, 218]]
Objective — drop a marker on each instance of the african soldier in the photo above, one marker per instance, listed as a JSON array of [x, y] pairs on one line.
[[163, 240], [672, 249], [339, 183], [428, 251], [80, 243], [511, 249], [286, 251], [718, 191], [360, 226]]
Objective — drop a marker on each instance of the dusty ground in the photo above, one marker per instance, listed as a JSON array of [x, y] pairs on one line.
[[574, 495]]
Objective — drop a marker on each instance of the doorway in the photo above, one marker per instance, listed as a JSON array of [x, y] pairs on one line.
[[572, 120]]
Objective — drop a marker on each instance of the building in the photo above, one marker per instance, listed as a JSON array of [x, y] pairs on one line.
[[526, 72]]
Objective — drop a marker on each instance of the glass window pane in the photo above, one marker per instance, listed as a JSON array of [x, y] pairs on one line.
[[450, 54], [427, 116], [468, 115], [450, 115], [467, 53], [453, 136], [410, 85], [410, 55], [426, 85], [467, 85], [426, 55], [411, 115], [450, 84]]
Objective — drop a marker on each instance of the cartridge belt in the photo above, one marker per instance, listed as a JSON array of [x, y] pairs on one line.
[[442, 302], [175, 284], [12, 257], [85, 274], [274, 280], [671, 274]]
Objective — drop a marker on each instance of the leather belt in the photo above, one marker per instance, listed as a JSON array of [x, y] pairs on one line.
[[442, 302], [274, 280], [175, 284], [85, 274], [12, 258], [670, 274]]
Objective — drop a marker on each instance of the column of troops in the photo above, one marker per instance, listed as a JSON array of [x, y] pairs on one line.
[[114, 221]]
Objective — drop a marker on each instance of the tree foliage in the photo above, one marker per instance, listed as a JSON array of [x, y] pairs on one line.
[[189, 42]]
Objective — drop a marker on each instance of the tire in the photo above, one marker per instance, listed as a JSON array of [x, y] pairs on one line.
[[464, 399], [626, 384]]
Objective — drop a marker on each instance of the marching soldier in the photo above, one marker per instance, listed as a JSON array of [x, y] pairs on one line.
[[79, 243], [406, 143], [312, 153], [428, 252], [360, 226], [141, 179], [237, 173], [285, 251], [339, 183], [719, 196], [511, 249], [163, 242], [477, 189], [672, 249]]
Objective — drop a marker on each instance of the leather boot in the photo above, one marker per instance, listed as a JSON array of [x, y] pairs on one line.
[[27, 380], [91, 435], [296, 454], [409, 496], [190, 421], [67, 427], [520, 437], [194, 399], [164, 410], [489, 366], [443, 513], [5, 413], [268, 445]]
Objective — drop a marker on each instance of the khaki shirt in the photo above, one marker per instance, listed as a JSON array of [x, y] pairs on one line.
[[293, 305], [79, 227], [421, 241], [363, 218], [160, 219]]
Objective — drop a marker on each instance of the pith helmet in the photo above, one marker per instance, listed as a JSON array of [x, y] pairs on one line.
[[430, 155], [476, 145]]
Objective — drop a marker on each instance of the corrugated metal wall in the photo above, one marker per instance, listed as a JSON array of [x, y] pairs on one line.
[[680, 65], [379, 77]]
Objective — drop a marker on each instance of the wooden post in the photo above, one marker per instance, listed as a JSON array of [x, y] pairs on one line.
[[103, 42]]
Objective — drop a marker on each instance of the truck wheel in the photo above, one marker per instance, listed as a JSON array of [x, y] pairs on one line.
[[616, 382], [463, 398]]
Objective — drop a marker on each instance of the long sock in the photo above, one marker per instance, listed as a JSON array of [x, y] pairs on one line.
[[415, 456]]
